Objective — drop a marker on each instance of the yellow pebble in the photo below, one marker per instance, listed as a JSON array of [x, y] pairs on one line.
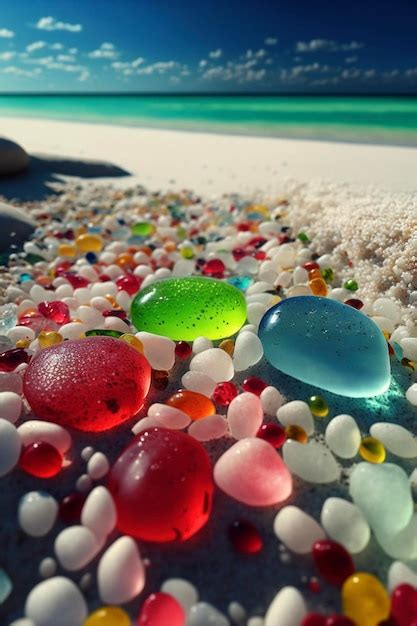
[[67, 249], [228, 345], [318, 406], [89, 243], [108, 616], [49, 338], [365, 599], [187, 252], [297, 433], [318, 287], [372, 450], [23, 343], [132, 341]]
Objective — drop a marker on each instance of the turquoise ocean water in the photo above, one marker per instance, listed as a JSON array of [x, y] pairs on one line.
[[390, 120]]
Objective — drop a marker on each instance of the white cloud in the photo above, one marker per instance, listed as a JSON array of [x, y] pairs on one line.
[[6, 33], [51, 23], [40, 60], [18, 71], [271, 41], [238, 72], [66, 58], [202, 63], [105, 51], [216, 54], [160, 67], [36, 45], [127, 67], [326, 45], [6, 56], [137, 62], [57, 46], [85, 75], [72, 50], [352, 59]]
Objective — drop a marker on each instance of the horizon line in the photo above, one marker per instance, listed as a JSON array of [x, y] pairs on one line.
[[354, 94]]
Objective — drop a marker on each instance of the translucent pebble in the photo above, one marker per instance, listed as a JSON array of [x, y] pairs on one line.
[[56, 601], [288, 607], [411, 394], [344, 522], [386, 307], [318, 406], [268, 482], [47, 567], [204, 614], [312, 462], [401, 545], [144, 424], [285, 255], [244, 415], [365, 600], [399, 573], [199, 382], [209, 428], [300, 276], [99, 513], [37, 513], [271, 400], [121, 572], [248, 351], [182, 590], [409, 346], [200, 344], [215, 363], [98, 466], [37, 430], [298, 290], [296, 413], [115, 323], [169, 416], [396, 439], [10, 446], [108, 616], [160, 609], [383, 494], [6, 586], [76, 546], [372, 450], [343, 436], [160, 351], [297, 530], [10, 406]]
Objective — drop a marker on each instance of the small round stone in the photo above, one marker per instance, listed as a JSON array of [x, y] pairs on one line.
[[199, 382], [209, 428], [168, 416], [121, 572], [47, 567], [345, 523], [296, 433], [333, 561], [248, 351], [98, 466], [108, 616], [40, 459], [396, 439], [312, 462], [224, 393], [245, 537], [182, 590], [10, 406], [193, 404], [365, 599], [271, 400], [70, 507], [215, 363], [343, 436], [99, 512], [288, 607], [37, 430], [273, 434], [297, 530], [75, 547], [56, 601], [244, 415], [318, 406], [37, 513]]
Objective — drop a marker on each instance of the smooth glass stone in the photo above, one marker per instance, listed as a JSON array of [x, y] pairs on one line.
[[161, 609], [5, 586], [245, 537], [8, 317], [187, 308], [365, 599], [240, 282], [325, 343], [108, 616], [333, 561], [404, 605]]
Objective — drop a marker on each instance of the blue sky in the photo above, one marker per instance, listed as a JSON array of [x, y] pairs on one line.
[[208, 45]]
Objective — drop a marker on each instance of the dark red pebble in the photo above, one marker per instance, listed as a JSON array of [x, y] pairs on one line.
[[41, 459], [404, 605], [339, 620], [129, 283], [224, 393], [314, 619], [310, 265], [183, 350], [333, 561], [70, 507], [355, 303], [255, 385], [214, 268], [56, 311], [273, 434], [10, 359], [245, 537]]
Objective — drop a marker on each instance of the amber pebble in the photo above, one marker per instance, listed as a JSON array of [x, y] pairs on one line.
[[192, 403], [296, 433], [372, 450], [228, 345], [318, 287]]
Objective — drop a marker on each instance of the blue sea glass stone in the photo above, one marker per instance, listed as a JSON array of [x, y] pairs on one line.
[[327, 344]]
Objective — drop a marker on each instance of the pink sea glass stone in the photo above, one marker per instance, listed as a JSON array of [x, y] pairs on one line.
[[162, 486], [161, 609], [252, 472], [91, 384]]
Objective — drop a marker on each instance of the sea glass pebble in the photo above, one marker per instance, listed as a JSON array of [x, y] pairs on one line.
[[396, 439], [312, 462], [99, 513], [76, 546], [121, 572], [401, 545], [345, 523], [296, 413], [108, 616], [383, 494], [244, 415], [10, 406], [182, 590], [267, 482], [91, 384], [248, 351], [297, 530], [215, 363], [56, 601], [365, 599], [193, 404], [204, 614], [400, 573], [208, 428], [190, 307], [6, 586], [160, 609], [288, 607], [167, 476], [333, 561], [404, 605], [341, 349], [343, 436]]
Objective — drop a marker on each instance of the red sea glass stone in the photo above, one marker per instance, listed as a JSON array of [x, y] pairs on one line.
[[56, 311], [245, 537], [70, 507], [161, 609], [224, 393], [41, 459], [129, 283], [273, 434], [10, 359], [183, 350], [162, 486], [255, 385], [333, 561], [214, 268], [90, 384], [404, 605], [314, 619], [339, 620]]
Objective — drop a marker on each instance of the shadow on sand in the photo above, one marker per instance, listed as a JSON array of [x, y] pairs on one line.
[[32, 184]]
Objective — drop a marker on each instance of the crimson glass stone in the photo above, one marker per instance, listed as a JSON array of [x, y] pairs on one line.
[[56, 311], [273, 434], [161, 609], [10, 359], [245, 537], [255, 385], [224, 394], [333, 561], [41, 459]]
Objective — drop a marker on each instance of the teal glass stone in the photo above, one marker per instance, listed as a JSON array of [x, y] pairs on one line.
[[240, 282], [327, 344], [5, 586]]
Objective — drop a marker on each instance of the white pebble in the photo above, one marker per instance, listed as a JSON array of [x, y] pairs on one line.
[[298, 290], [10, 406], [98, 466], [300, 275], [248, 351], [87, 453], [84, 483], [255, 312], [37, 430], [297, 530], [183, 591], [345, 523], [199, 382], [287, 608], [90, 316], [100, 303], [385, 307], [56, 601], [384, 323], [21, 332], [409, 346], [204, 614], [37, 513], [343, 436], [215, 363], [115, 323], [244, 415], [11, 381], [401, 545], [208, 428], [296, 413], [411, 394], [10, 446], [47, 567], [160, 351], [285, 255], [236, 612], [76, 546], [121, 572], [396, 439], [200, 344], [73, 330], [22, 622], [144, 424], [107, 288], [400, 574], [271, 400], [255, 621], [99, 512], [168, 416], [312, 461]]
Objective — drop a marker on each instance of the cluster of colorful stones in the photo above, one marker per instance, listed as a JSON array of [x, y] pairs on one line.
[[153, 317]]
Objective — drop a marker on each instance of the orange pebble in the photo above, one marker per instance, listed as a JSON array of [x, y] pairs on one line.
[[125, 260], [318, 287], [314, 274], [170, 246], [228, 346], [192, 403], [296, 433]]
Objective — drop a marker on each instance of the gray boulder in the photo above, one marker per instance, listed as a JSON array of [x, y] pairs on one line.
[[15, 227], [13, 158]]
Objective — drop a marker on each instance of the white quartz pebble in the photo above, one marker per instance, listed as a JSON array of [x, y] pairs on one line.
[[284, 256], [214, 362], [21, 332], [287, 608], [56, 601], [22, 622], [344, 522], [312, 461], [144, 423], [199, 382], [385, 307], [297, 530], [76, 546], [396, 439], [73, 330], [411, 394], [121, 572], [409, 346], [169, 416], [255, 312], [160, 351], [200, 344], [10, 406], [244, 415], [115, 323], [248, 351], [204, 614], [298, 290], [99, 512], [90, 316], [384, 323], [87, 453], [400, 574], [296, 413], [300, 275], [271, 400], [47, 567], [183, 591], [37, 430], [37, 513], [84, 483], [98, 466], [208, 428], [343, 436], [10, 446]]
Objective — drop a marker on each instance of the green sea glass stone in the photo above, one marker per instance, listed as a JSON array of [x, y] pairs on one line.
[[186, 308]]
